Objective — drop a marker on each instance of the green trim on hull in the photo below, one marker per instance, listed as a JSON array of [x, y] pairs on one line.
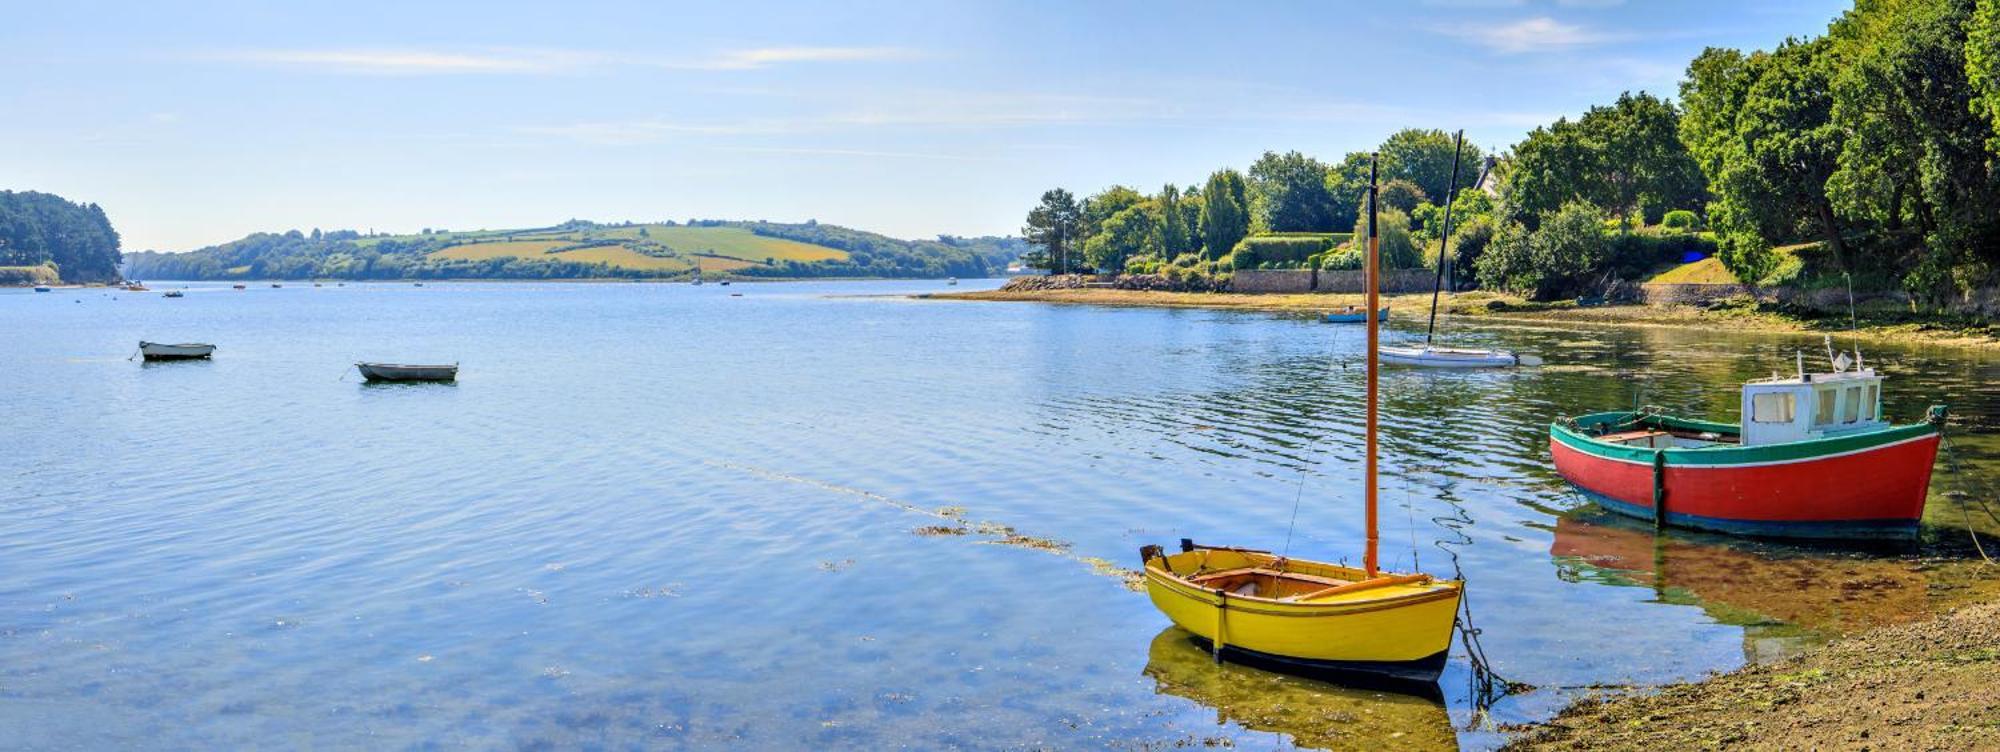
[[1579, 439]]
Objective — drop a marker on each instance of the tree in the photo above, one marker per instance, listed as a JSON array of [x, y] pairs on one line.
[[1225, 217], [1397, 248], [1288, 193], [1052, 227], [1347, 187], [1128, 233], [1775, 156], [1549, 261], [1399, 194], [1105, 203], [1982, 65], [1627, 159], [1424, 157], [1171, 232]]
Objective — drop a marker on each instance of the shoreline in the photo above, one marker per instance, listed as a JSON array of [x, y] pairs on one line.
[[1930, 685], [1496, 308]]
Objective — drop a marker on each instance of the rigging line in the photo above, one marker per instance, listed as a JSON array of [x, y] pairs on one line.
[[1300, 495]]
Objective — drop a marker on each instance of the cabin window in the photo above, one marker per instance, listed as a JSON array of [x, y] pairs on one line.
[[1850, 411], [1823, 412], [1772, 407], [1868, 405]]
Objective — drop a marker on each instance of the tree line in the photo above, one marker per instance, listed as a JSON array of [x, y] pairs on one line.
[[1867, 154], [38, 229]]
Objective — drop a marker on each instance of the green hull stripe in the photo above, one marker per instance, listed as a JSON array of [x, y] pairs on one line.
[[1786, 452]]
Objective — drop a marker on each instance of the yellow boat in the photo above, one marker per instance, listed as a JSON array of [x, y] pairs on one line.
[[1297, 614]]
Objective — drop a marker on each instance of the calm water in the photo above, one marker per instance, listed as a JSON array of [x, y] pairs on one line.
[[662, 515]]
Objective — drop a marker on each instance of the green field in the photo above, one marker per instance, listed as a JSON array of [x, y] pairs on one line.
[[1709, 271], [670, 248]]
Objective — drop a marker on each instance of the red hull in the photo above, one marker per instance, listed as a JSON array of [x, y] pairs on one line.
[[1880, 488]]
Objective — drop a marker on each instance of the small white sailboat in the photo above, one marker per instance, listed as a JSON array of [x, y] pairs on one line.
[[182, 351], [407, 372], [1429, 355]]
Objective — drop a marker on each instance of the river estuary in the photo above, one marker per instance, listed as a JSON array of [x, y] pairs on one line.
[[810, 515]]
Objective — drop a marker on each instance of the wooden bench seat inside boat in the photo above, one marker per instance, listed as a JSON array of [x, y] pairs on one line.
[[1258, 582]]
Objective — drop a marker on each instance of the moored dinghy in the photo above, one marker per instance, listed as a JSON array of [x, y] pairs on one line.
[[1431, 356], [407, 372], [182, 351], [1812, 457], [1308, 615], [1352, 315]]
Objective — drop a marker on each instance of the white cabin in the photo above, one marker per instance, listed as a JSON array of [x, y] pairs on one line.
[[1783, 409]]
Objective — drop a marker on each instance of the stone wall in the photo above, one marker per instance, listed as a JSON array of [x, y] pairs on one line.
[[1692, 294], [1342, 281]]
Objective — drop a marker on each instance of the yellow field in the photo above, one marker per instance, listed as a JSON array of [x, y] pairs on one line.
[[620, 256], [483, 251], [737, 247], [734, 242]]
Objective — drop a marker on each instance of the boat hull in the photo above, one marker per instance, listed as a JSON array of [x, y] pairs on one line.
[[1400, 632], [1866, 486], [1353, 318], [186, 351], [1430, 357], [398, 372]]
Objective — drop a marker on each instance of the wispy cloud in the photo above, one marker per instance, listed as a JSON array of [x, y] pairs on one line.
[[811, 151], [390, 61], [412, 61], [1529, 35], [918, 110], [771, 56]]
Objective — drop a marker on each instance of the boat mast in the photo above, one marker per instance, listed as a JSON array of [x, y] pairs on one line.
[[1444, 235], [1374, 271]]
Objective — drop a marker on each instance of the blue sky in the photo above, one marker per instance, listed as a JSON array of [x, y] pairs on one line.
[[199, 123]]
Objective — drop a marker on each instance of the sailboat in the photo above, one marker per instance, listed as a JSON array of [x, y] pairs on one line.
[[1272, 609], [1452, 357]]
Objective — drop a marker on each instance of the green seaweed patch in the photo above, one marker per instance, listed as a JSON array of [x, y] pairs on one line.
[[933, 530]]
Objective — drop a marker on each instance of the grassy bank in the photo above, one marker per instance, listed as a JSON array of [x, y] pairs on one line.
[[1928, 685], [1877, 325]]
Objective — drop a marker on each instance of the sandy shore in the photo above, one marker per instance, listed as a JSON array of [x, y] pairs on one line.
[[1927, 685], [1498, 308]]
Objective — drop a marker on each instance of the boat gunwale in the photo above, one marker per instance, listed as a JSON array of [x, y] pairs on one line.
[[1440, 588], [1727, 456]]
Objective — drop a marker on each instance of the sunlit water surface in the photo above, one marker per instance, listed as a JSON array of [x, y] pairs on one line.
[[714, 516]]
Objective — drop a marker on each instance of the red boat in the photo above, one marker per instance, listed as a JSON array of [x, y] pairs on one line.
[[1812, 458]]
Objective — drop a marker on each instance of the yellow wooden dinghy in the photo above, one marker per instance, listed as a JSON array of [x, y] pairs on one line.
[[1306, 615], [1311, 615]]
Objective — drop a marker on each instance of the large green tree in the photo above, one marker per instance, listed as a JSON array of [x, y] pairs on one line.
[[1288, 193], [1626, 158], [1130, 232], [1424, 157], [1053, 227], [1225, 215], [1171, 233]]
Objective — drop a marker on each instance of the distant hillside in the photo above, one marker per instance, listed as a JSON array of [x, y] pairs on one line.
[[40, 232], [580, 249]]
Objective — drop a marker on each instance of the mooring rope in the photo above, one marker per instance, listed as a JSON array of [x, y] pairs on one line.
[[1951, 461]]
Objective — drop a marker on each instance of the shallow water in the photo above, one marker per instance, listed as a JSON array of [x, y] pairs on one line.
[[819, 514]]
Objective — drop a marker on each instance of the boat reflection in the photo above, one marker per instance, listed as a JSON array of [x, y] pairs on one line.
[[1784, 597], [1314, 713]]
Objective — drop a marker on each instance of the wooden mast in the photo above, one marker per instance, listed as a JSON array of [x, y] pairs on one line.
[[1374, 270]]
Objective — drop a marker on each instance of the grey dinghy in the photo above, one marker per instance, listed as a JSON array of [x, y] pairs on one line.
[[403, 372]]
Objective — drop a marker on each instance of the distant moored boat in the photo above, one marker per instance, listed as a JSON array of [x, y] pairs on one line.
[[406, 372], [41, 288], [240, 287], [1352, 315], [175, 294], [182, 351]]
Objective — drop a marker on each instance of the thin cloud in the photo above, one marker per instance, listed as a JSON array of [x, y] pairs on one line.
[[770, 56], [1530, 35], [865, 153], [388, 61], [413, 62]]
